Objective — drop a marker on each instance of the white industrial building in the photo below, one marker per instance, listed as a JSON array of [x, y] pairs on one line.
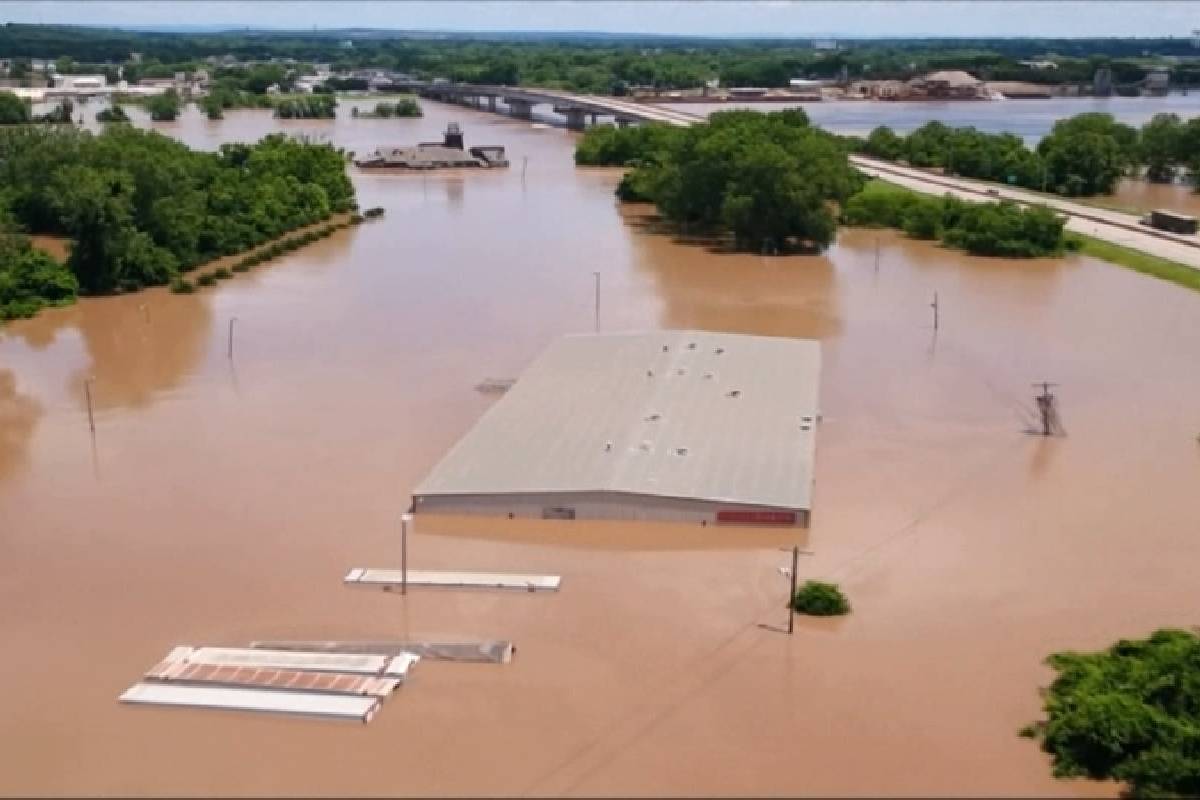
[[712, 428]]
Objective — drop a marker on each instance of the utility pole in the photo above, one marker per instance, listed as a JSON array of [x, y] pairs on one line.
[[792, 593], [404, 520], [792, 576], [87, 390], [231, 321], [876, 254], [597, 274], [1046, 407], [524, 166], [934, 306]]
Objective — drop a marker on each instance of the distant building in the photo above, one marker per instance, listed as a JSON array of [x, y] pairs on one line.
[[948, 84], [346, 44], [804, 85], [1157, 83], [1038, 64], [1102, 83], [135, 58], [825, 44], [79, 83], [746, 91]]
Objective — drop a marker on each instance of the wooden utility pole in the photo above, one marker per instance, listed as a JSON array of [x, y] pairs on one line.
[[231, 321], [87, 390], [597, 274], [792, 593], [876, 255], [934, 306], [524, 166]]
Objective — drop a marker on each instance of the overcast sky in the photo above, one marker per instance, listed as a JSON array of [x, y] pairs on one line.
[[703, 17]]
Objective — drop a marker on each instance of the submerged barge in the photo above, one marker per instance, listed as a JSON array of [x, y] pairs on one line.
[[446, 154]]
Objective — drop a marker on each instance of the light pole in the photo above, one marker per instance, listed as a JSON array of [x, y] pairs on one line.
[[231, 321], [404, 520], [597, 274]]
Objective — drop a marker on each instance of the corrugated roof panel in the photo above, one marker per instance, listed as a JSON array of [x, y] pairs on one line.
[[582, 418]]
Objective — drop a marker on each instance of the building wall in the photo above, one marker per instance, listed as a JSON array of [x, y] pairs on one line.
[[594, 505]]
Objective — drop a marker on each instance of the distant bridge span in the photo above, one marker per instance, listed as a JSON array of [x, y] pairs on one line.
[[577, 108]]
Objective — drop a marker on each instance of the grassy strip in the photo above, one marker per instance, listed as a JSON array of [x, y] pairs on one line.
[[1138, 261]]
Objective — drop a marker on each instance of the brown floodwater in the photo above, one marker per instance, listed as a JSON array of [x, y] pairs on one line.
[[222, 500]]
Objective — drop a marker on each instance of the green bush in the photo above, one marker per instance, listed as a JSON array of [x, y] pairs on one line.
[[207, 279], [985, 229], [375, 211], [30, 279], [819, 599], [221, 273], [1129, 713], [357, 219], [241, 266], [181, 285]]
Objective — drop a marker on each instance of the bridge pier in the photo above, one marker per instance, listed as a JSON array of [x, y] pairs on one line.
[[492, 103], [520, 108], [576, 118]]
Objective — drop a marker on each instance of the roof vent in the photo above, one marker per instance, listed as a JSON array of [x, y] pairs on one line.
[[608, 447], [719, 350], [708, 376], [654, 417], [681, 451], [734, 393], [644, 446], [649, 373], [666, 348], [681, 371], [691, 345]]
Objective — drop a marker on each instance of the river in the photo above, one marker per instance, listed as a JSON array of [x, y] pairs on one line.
[[221, 500]]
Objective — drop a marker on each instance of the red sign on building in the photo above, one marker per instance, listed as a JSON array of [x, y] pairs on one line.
[[746, 517]]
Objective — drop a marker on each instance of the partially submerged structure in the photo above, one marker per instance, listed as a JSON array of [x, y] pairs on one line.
[[448, 153], [668, 425]]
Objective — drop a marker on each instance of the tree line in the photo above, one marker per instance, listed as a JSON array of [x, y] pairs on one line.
[[594, 64], [1002, 229], [776, 184], [140, 207], [1083, 155]]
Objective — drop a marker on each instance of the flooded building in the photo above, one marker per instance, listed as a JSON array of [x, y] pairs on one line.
[[681, 426], [448, 153]]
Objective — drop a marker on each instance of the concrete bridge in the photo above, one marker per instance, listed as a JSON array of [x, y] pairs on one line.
[[578, 109]]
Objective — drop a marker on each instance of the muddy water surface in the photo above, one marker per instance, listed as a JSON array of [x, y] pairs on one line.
[[222, 500]]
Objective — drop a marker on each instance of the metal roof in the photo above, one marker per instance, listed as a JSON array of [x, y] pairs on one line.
[[683, 414]]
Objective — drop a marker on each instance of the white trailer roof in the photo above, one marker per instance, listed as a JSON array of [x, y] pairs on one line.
[[684, 414]]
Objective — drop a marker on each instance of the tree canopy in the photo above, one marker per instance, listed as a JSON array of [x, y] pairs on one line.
[[13, 110], [985, 229], [770, 179], [1129, 713], [139, 207]]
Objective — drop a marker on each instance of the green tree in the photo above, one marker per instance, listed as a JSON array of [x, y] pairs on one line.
[[13, 110], [164, 107]]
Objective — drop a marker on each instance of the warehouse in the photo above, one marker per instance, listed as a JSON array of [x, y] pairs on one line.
[[711, 428]]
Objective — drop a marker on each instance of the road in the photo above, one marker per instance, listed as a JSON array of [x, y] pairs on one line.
[[1110, 226]]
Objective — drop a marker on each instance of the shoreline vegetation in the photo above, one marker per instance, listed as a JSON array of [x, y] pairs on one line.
[[779, 185], [141, 208], [1084, 156], [225, 266], [404, 107], [646, 152], [1130, 713]]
